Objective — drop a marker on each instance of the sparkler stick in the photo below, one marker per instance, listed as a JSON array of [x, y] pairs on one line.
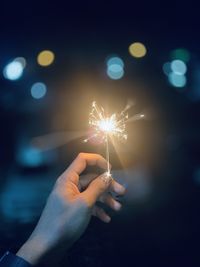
[[107, 156]]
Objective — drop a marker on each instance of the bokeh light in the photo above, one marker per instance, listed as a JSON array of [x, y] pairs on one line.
[[137, 50], [38, 90], [115, 72], [180, 53], [13, 71], [22, 60], [30, 156], [115, 61], [115, 68], [177, 80], [178, 66], [45, 58], [167, 68]]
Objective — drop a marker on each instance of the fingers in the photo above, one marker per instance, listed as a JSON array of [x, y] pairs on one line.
[[84, 159], [95, 189], [86, 179], [110, 201], [79, 164], [101, 214], [117, 188]]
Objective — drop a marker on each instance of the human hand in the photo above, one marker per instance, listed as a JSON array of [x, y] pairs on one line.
[[68, 209]]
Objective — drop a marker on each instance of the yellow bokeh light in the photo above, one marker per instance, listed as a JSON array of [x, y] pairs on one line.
[[45, 58], [137, 50]]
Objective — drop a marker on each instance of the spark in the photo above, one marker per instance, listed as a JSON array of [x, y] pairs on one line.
[[104, 126], [107, 126]]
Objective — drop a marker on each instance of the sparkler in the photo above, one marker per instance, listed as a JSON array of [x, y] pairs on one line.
[[106, 127]]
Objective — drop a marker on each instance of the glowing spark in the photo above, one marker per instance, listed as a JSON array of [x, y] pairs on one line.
[[107, 126], [115, 125]]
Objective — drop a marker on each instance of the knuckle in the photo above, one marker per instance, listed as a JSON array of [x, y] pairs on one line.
[[99, 157], [59, 181], [81, 155]]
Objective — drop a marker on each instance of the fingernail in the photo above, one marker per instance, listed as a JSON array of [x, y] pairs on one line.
[[117, 205], [119, 189], [107, 219]]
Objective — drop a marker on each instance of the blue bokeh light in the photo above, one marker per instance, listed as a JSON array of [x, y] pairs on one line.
[[115, 68], [115, 72], [167, 68], [38, 90], [21, 60], [177, 80], [115, 61], [13, 71], [30, 156], [178, 66]]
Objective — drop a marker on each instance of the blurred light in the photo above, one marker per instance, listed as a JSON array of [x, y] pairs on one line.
[[180, 53], [137, 50], [18, 197], [177, 80], [115, 72], [115, 68], [167, 68], [45, 58], [107, 125], [38, 90], [13, 71], [30, 156], [115, 61], [178, 66], [21, 60]]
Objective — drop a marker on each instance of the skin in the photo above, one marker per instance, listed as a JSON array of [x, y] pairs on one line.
[[69, 208]]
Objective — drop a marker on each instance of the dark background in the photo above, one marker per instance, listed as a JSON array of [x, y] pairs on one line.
[[159, 224]]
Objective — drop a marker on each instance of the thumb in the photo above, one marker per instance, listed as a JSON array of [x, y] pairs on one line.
[[96, 188]]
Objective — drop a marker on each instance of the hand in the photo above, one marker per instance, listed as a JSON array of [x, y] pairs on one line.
[[68, 209]]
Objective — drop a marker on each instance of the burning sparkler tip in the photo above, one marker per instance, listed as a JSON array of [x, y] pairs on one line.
[[107, 126]]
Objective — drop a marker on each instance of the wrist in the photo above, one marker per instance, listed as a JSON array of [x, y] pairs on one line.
[[33, 251]]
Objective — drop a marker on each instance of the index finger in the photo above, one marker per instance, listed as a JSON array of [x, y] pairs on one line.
[[87, 159]]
